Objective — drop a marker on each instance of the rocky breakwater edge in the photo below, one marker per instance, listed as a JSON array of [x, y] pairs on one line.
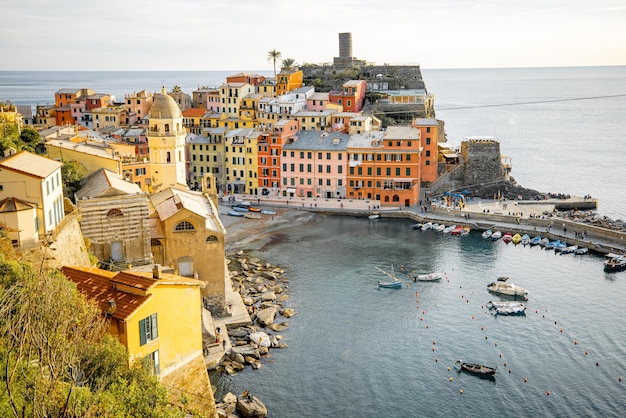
[[263, 289]]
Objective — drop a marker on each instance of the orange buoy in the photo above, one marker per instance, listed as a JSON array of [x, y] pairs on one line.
[[575, 342], [423, 312], [472, 316], [436, 359], [426, 325], [433, 348], [505, 364], [548, 392], [561, 329], [421, 319], [525, 380]]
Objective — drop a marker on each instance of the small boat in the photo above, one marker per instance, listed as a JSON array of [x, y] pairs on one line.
[[466, 230], [254, 209], [395, 283], [431, 277], [581, 251], [508, 289], [434, 226], [569, 250], [615, 264], [503, 304], [374, 216], [507, 237], [550, 245], [496, 236], [486, 234], [511, 310], [252, 216], [560, 246], [235, 213], [427, 226], [240, 208], [516, 239], [535, 241], [417, 226], [543, 242], [525, 239], [440, 228], [449, 229], [477, 368], [457, 230], [268, 212]]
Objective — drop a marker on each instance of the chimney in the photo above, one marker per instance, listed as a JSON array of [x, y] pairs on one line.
[[111, 307], [157, 271]]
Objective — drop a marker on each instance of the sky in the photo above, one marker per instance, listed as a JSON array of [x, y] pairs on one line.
[[236, 35]]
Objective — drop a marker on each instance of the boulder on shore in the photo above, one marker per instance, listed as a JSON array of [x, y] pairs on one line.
[[251, 407], [266, 316]]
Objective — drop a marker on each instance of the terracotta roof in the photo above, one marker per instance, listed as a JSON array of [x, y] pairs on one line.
[[97, 284], [191, 112]]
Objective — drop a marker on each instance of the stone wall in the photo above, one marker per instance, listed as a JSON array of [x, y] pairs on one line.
[[482, 161]]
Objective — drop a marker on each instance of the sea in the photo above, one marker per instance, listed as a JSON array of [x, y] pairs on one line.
[[355, 350]]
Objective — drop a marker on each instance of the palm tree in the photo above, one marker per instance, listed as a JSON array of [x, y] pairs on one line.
[[288, 64], [273, 56]]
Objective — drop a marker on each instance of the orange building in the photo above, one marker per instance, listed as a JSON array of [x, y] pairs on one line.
[[385, 166], [269, 152], [248, 78], [429, 130], [287, 81], [351, 96]]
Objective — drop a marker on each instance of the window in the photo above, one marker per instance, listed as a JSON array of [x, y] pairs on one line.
[[328, 169], [148, 329], [152, 362], [114, 212], [388, 171], [428, 129], [408, 172], [184, 226], [428, 153], [397, 171], [328, 155], [340, 169], [211, 238], [427, 141]]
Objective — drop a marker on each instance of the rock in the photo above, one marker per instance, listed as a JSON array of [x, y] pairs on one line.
[[229, 369], [230, 398], [238, 332], [263, 351], [248, 350], [261, 339], [288, 313], [268, 296], [251, 407], [282, 298], [239, 359], [256, 365], [278, 327], [278, 290], [266, 316], [237, 367], [269, 275], [248, 301]]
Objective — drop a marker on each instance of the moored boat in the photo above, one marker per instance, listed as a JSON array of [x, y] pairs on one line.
[[417, 225], [507, 237], [551, 245], [449, 229], [535, 241], [560, 246], [581, 251], [504, 304], [440, 228], [615, 264], [487, 234], [569, 250], [235, 213], [466, 230], [516, 239], [434, 226], [543, 242], [525, 239], [508, 289], [477, 368], [427, 225], [511, 310], [374, 216], [457, 230], [431, 277], [395, 283], [496, 236]]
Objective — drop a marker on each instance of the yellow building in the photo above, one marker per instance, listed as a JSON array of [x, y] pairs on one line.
[[214, 162], [288, 80], [188, 236], [231, 97], [37, 180], [18, 221], [166, 141], [109, 116], [314, 121], [158, 318], [241, 161], [91, 156]]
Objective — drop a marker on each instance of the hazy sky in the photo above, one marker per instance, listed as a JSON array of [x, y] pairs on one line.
[[236, 35]]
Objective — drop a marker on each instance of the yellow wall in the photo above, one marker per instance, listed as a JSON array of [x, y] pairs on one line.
[[91, 162]]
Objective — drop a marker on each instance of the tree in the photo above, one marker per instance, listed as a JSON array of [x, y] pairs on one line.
[[29, 138], [288, 64], [176, 89], [72, 172], [274, 56]]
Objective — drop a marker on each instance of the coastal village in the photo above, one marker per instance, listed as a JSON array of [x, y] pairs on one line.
[[144, 231]]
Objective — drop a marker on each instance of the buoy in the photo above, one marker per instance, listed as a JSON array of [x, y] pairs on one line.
[[462, 296], [496, 344], [433, 348], [536, 311], [434, 342], [561, 329], [597, 363], [482, 328], [421, 319], [554, 322], [426, 325], [586, 352], [548, 392], [451, 379], [505, 364], [525, 380], [482, 306], [485, 337], [619, 378], [460, 286], [509, 370], [423, 312], [467, 300], [448, 368], [437, 360], [500, 355], [472, 316], [461, 391], [575, 342]]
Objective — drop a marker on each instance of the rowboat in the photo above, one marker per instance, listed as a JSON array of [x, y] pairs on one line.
[[449, 229], [417, 226], [496, 236], [560, 246], [431, 277], [427, 225], [440, 228], [507, 237], [504, 304], [552, 244], [374, 216], [268, 212], [252, 215], [525, 239], [511, 310], [487, 234], [615, 264], [254, 209], [535, 240], [581, 251], [457, 230], [466, 230], [477, 368], [569, 250], [516, 239], [543, 242], [235, 213]]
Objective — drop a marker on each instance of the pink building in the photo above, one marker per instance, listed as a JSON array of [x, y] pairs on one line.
[[317, 102], [314, 165]]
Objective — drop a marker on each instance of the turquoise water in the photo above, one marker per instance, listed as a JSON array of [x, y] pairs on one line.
[[359, 351]]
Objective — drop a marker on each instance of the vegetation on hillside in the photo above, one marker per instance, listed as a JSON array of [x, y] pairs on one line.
[[57, 358]]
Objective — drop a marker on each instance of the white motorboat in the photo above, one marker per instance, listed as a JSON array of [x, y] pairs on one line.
[[449, 229], [504, 304], [569, 250], [486, 234], [440, 228], [511, 310], [505, 288], [496, 235], [431, 277], [427, 225]]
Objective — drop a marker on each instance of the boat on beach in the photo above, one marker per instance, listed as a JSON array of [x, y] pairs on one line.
[[487, 234], [478, 369], [235, 213], [268, 212], [252, 216], [254, 209], [508, 289]]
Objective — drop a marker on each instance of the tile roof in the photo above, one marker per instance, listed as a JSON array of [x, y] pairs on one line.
[[31, 164], [105, 181], [13, 204]]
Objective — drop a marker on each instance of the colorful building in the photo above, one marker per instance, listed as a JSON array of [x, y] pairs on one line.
[[241, 160], [139, 103], [157, 317], [385, 166], [288, 80], [314, 165], [430, 133], [351, 96], [269, 152], [231, 95]]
